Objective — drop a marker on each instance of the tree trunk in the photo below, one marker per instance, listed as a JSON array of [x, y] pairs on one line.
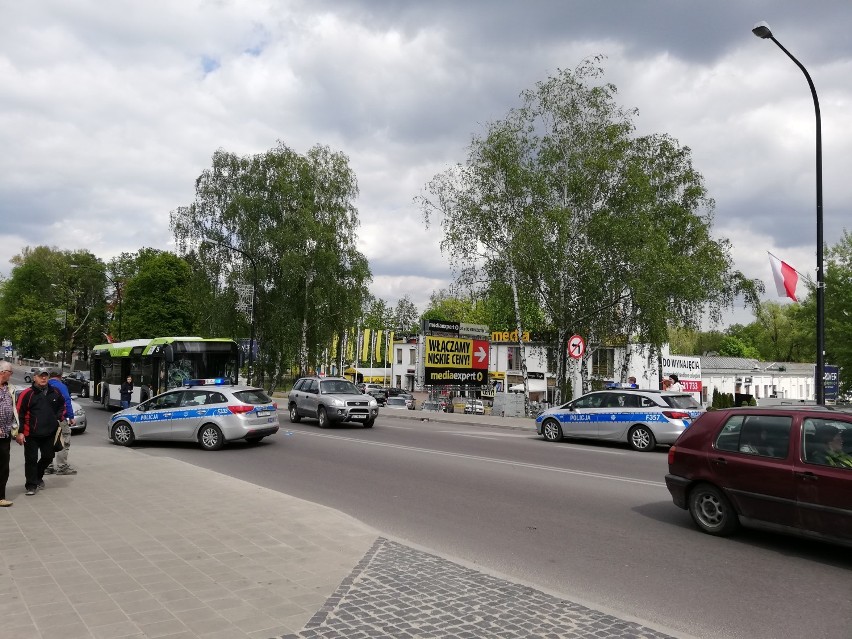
[[513, 281]]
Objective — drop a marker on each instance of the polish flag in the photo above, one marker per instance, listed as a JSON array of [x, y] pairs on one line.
[[785, 276]]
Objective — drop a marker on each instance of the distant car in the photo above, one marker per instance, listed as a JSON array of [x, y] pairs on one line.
[[409, 400], [642, 418], [432, 406], [331, 400], [77, 383], [208, 413], [447, 405], [397, 403], [79, 425], [28, 377], [394, 392], [786, 468], [378, 393], [474, 407]]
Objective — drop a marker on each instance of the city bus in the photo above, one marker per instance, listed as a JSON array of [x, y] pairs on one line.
[[159, 364]]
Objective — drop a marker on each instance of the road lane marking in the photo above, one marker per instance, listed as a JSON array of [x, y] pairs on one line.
[[505, 462]]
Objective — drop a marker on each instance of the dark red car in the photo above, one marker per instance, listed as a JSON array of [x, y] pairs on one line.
[[785, 468]]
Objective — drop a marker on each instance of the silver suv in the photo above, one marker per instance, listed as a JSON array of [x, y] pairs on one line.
[[331, 400]]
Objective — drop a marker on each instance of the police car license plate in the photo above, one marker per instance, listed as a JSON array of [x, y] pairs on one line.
[[358, 416], [263, 413]]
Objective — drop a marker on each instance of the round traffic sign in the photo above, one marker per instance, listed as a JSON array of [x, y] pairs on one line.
[[576, 347]]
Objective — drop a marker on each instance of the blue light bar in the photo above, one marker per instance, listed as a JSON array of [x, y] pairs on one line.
[[213, 381]]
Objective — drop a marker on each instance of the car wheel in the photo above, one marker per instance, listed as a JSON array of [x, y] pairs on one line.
[[122, 434], [28, 379], [84, 392], [711, 510], [642, 439], [551, 430], [210, 437], [253, 440], [322, 417], [294, 414], [369, 423]]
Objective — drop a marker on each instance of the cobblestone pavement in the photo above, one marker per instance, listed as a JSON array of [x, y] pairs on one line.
[[397, 591]]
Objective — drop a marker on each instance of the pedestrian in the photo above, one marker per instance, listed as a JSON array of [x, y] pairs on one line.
[[40, 409], [631, 382], [8, 422], [60, 464], [675, 385], [126, 391]]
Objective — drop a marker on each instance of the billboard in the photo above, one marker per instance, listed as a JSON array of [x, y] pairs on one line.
[[455, 361], [831, 382], [687, 369]]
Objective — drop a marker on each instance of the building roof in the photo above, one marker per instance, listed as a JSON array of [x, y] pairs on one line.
[[746, 365]]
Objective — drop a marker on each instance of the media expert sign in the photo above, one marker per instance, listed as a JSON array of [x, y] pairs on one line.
[[687, 369], [453, 361]]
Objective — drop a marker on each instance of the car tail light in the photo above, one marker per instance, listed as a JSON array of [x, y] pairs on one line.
[[239, 409], [676, 414], [672, 455]]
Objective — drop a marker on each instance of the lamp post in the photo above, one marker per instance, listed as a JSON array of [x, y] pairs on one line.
[[111, 281], [250, 258], [762, 30]]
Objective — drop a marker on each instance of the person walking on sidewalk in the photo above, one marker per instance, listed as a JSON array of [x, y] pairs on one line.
[[60, 464], [40, 409], [8, 420], [126, 391]]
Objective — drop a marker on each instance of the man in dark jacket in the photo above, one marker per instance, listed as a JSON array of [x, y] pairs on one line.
[[40, 409]]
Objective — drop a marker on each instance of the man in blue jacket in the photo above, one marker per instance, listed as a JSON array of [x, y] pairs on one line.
[[40, 409], [60, 464]]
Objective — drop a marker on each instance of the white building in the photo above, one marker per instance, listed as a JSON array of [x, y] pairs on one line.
[[701, 375]]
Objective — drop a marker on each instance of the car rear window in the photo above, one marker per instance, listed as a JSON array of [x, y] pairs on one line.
[[762, 435], [252, 396], [681, 401], [396, 400]]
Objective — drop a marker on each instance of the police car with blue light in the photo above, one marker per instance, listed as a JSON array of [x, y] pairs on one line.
[[641, 418], [210, 412]]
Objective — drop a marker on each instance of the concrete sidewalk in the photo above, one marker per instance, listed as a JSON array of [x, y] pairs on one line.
[[143, 546]]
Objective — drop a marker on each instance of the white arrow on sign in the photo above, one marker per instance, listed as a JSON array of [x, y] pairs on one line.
[[481, 354]]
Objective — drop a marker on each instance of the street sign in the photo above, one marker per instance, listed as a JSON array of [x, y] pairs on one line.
[[576, 347], [475, 331], [455, 361]]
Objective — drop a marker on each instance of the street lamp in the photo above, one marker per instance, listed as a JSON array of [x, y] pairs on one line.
[[762, 30], [250, 258], [113, 282]]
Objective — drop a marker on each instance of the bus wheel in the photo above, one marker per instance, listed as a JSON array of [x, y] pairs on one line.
[[105, 399], [122, 434], [210, 437]]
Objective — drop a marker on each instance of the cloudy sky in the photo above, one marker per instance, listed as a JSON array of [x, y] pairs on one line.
[[110, 110]]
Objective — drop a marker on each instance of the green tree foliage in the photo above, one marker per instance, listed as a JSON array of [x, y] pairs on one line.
[[838, 309], [292, 219], [552, 200], [47, 306], [155, 296], [405, 317], [732, 346]]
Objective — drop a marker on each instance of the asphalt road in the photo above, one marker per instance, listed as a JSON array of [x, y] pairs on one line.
[[590, 522]]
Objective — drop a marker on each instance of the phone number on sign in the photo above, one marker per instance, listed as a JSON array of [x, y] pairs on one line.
[[691, 385]]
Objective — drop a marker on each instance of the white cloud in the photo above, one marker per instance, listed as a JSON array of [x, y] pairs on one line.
[[112, 110]]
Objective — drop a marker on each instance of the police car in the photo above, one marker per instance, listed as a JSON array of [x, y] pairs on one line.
[[208, 411], [642, 418]]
